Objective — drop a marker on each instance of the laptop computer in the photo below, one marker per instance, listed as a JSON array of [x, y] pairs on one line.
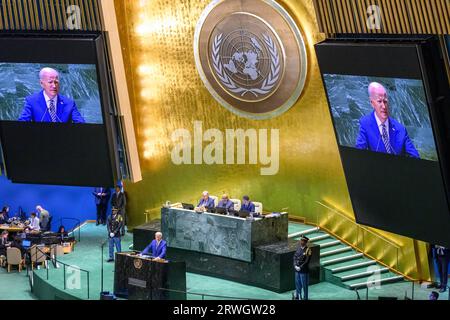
[[221, 210], [211, 209], [233, 212], [187, 206], [244, 214]]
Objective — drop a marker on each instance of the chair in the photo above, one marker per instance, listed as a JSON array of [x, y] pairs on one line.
[[37, 256], [258, 207], [216, 200], [14, 258], [237, 204]]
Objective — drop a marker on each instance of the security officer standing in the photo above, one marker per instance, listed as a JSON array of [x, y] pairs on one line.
[[301, 264], [115, 223], [119, 202], [442, 258]]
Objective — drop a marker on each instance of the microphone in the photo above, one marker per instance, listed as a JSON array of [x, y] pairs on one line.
[[46, 110]]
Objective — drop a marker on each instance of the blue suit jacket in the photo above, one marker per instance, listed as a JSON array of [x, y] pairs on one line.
[[157, 252], [250, 207], [35, 110], [102, 200], [369, 137], [208, 203]]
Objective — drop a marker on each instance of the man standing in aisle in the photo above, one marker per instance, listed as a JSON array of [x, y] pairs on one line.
[[114, 225], [119, 201], [102, 196], [44, 218], [301, 265], [442, 257]]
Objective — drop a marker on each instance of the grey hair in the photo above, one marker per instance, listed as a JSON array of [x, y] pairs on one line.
[[44, 71], [373, 86]]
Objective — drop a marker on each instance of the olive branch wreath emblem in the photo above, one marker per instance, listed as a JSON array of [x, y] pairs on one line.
[[267, 84]]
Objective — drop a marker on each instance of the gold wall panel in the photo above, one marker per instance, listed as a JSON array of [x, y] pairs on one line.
[[397, 16], [167, 94], [47, 15]]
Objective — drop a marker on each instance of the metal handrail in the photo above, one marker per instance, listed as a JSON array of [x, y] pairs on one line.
[[56, 261], [77, 226], [358, 225], [364, 229], [203, 295]]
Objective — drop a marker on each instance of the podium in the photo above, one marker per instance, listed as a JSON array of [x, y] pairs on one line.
[[140, 278]]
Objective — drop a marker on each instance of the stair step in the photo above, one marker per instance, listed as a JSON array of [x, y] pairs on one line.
[[363, 274], [382, 281], [329, 244], [321, 237], [335, 251], [305, 232], [342, 259], [353, 266]]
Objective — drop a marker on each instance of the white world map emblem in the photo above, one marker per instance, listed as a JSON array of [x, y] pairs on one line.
[[248, 65], [251, 56]]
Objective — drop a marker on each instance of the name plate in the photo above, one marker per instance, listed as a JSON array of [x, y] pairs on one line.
[[137, 283]]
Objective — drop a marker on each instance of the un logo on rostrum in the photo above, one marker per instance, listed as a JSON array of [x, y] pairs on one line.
[[251, 56]]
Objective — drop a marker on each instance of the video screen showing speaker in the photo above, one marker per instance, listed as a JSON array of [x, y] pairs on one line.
[[56, 112], [390, 133], [388, 115], [63, 93]]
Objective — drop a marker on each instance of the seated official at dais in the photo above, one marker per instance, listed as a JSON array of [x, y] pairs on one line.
[[226, 203], [157, 248], [247, 205], [206, 201]]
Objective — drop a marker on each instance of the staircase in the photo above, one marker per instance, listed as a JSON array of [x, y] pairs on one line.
[[340, 264]]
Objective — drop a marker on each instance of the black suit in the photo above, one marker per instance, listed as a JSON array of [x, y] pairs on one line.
[[442, 256], [119, 201], [101, 203]]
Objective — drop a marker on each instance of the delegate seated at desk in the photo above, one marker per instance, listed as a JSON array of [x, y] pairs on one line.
[[247, 205], [225, 203], [4, 243], [3, 219], [206, 201], [158, 247], [34, 222]]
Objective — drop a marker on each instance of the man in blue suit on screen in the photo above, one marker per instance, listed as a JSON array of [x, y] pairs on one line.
[[48, 105], [157, 248], [379, 132]]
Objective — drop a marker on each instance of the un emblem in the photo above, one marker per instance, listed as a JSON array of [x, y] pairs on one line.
[[251, 57], [137, 263]]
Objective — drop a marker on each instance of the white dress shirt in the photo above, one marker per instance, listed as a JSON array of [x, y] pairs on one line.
[[380, 125], [34, 224], [47, 101]]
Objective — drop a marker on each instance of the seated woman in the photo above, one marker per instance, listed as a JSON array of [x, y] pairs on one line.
[[3, 219], [62, 233], [5, 212]]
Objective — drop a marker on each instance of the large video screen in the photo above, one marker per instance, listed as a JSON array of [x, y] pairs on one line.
[[36, 92], [387, 115], [56, 110], [387, 108]]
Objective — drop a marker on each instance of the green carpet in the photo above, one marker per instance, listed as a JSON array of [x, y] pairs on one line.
[[87, 256], [14, 285]]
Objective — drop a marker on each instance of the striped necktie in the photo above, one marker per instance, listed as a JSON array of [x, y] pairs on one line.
[[386, 139], [52, 110]]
